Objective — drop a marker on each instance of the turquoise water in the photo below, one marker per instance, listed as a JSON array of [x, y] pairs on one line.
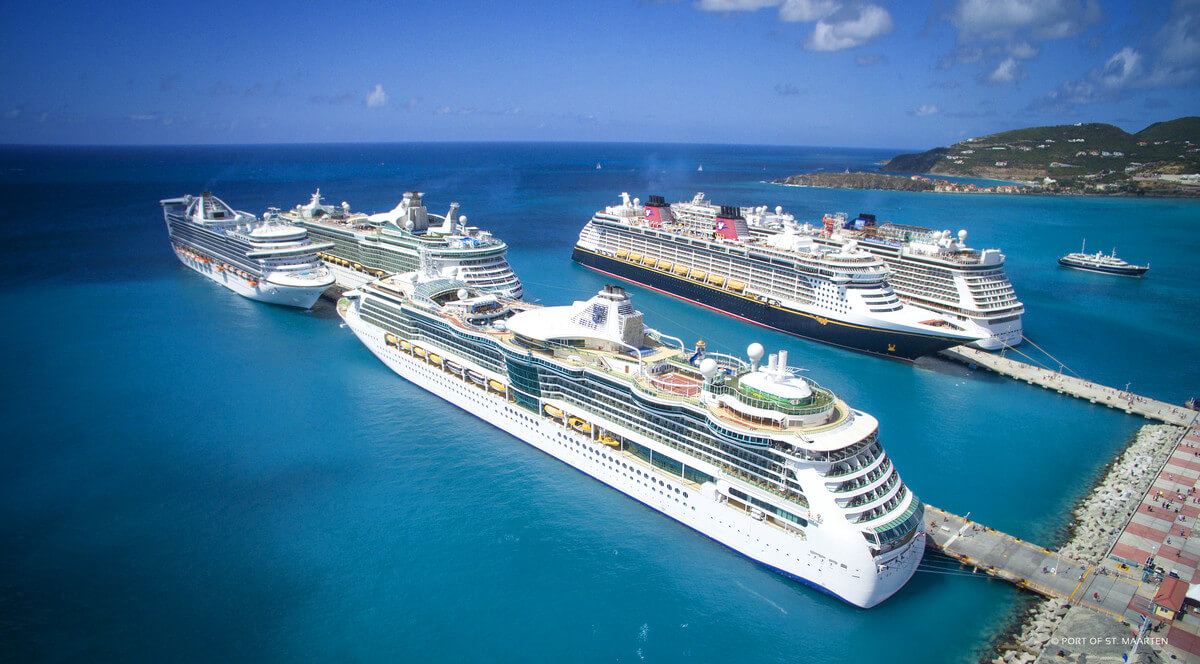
[[191, 476]]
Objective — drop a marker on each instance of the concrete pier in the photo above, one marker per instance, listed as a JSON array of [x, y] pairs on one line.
[[1117, 582], [1076, 387], [1029, 565]]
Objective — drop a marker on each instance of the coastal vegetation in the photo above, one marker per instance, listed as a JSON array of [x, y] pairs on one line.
[[1162, 159]]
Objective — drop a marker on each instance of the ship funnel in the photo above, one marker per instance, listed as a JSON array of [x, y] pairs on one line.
[[772, 362], [448, 224], [782, 368]]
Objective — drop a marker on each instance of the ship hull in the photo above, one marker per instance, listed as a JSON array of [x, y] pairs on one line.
[[262, 291], [887, 343], [767, 545], [1120, 272]]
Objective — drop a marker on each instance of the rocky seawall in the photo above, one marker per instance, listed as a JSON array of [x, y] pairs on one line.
[[1099, 519]]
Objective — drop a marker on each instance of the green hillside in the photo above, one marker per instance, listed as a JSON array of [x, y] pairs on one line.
[[1076, 157]]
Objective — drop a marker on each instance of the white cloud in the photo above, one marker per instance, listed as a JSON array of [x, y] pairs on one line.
[[840, 24], [1041, 19], [1023, 50], [806, 11], [1007, 71], [377, 97], [145, 117], [850, 27], [1120, 74], [994, 33], [925, 110], [734, 5]]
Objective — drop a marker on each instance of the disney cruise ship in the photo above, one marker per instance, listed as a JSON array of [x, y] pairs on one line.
[[368, 246], [260, 259], [928, 269], [754, 456], [706, 254]]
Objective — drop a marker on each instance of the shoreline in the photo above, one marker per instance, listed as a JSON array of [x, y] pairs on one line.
[[1048, 194], [1097, 519]]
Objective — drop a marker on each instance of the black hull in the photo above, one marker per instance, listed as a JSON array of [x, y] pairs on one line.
[[1135, 271], [887, 343]]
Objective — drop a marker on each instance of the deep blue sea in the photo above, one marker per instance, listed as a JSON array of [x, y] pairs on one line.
[[189, 476]]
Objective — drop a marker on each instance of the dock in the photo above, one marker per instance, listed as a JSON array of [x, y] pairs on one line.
[[1159, 539], [1030, 566], [1133, 404]]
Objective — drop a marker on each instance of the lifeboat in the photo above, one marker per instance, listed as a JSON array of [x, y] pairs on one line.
[[608, 440], [681, 270], [622, 253], [635, 257], [496, 385], [404, 345], [665, 266], [716, 280], [418, 351], [552, 411], [650, 261], [391, 340], [736, 286], [476, 377], [452, 366], [579, 425], [434, 358], [699, 275], [357, 266]]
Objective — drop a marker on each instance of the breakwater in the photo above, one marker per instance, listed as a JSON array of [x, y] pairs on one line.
[[1082, 575], [1133, 404]]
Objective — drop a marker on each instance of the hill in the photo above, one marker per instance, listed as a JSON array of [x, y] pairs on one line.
[[1079, 157]]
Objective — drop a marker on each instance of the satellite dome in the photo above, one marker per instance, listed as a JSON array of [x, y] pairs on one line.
[[755, 352], [708, 367], [962, 235], [778, 209]]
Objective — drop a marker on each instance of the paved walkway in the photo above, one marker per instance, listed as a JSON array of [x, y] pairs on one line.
[[1162, 528], [1077, 387], [1028, 565]]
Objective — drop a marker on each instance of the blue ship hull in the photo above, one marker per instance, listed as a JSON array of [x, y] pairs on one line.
[[887, 343]]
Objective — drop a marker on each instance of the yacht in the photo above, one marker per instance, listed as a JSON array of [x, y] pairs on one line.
[[1098, 262], [749, 453], [264, 260], [707, 254]]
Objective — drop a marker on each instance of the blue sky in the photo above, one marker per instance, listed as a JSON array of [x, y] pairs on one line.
[[862, 73]]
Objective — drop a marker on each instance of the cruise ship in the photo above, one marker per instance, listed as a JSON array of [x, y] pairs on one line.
[[751, 454], [706, 254], [1098, 262], [405, 239], [929, 269], [264, 260]]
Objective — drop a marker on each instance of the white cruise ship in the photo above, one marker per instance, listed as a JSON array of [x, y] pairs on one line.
[[405, 239], [706, 253], [754, 456], [928, 269], [262, 260]]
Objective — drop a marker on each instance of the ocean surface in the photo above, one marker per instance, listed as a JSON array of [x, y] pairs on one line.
[[190, 476]]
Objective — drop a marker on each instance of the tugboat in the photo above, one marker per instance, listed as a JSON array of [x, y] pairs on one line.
[[1098, 262]]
